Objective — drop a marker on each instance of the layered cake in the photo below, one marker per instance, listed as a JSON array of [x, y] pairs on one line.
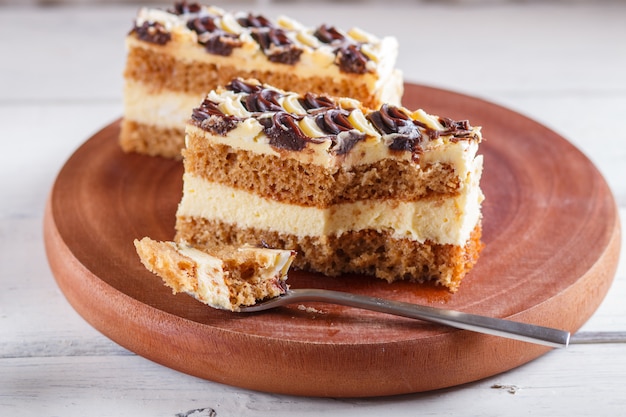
[[228, 278], [386, 192], [176, 56]]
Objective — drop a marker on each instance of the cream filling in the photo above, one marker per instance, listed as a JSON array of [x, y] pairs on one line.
[[164, 108], [275, 263], [445, 221], [391, 89], [212, 288]]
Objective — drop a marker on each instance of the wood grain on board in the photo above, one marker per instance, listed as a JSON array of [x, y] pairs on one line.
[[552, 240]]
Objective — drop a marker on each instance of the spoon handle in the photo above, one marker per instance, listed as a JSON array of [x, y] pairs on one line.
[[482, 324]]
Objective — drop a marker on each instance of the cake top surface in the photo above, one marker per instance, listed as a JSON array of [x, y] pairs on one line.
[[283, 41], [331, 127]]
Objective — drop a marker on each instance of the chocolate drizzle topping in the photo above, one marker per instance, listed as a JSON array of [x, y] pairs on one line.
[[334, 121], [400, 132], [403, 132], [313, 102], [284, 132], [460, 129], [277, 46], [351, 59], [263, 101], [240, 86], [182, 7], [277, 43], [349, 56], [273, 41], [153, 32], [252, 21], [328, 34], [209, 117], [214, 39]]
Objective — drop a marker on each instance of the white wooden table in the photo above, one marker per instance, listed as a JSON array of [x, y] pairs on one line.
[[60, 81]]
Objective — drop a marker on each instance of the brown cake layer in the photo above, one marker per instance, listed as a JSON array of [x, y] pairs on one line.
[[159, 70], [289, 181], [366, 252], [152, 140]]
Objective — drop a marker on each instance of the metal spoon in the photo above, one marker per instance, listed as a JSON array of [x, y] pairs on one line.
[[488, 325]]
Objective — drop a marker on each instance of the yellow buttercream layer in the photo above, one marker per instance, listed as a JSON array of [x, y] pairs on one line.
[[163, 108], [443, 220], [211, 282]]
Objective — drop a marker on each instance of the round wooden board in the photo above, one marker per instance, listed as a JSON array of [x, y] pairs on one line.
[[552, 239]]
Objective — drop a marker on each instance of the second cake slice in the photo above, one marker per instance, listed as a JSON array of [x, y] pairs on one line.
[[176, 55]]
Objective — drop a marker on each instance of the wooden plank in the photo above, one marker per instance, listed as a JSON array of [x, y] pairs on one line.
[[132, 386]]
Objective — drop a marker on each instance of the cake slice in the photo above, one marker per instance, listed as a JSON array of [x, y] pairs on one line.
[[176, 56], [386, 192], [225, 279]]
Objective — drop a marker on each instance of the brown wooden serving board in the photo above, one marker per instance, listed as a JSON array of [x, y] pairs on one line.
[[552, 239]]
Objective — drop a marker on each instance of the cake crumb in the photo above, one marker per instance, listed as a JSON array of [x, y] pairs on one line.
[[310, 309], [511, 389]]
